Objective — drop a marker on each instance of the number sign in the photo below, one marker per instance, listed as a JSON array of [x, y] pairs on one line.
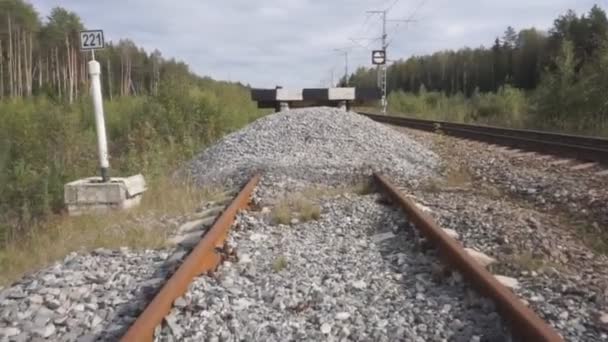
[[91, 40], [379, 57]]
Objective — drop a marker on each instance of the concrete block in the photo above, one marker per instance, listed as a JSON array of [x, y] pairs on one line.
[[92, 195], [341, 94], [289, 95]]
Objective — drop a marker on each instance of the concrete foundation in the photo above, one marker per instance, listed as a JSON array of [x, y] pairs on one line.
[[92, 195]]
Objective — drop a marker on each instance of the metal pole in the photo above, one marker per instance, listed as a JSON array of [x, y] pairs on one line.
[[383, 66], [346, 68], [100, 125]]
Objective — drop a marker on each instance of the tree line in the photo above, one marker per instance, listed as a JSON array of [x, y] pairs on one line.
[[518, 59], [43, 58], [556, 79]]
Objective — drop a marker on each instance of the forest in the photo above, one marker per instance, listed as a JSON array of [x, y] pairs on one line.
[[158, 113], [554, 80]]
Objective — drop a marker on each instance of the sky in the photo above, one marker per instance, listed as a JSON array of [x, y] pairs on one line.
[[293, 42]]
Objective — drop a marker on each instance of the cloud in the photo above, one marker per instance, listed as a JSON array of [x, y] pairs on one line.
[[291, 42]]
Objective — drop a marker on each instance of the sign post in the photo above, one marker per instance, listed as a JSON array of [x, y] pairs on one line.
[[379, 59], [91, 41]]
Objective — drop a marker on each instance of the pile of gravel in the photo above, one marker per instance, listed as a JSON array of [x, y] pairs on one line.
[[356, 274], [320, 145]]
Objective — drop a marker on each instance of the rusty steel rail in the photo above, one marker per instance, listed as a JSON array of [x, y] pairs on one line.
[[589, 149], [525, 324], [203, 258]]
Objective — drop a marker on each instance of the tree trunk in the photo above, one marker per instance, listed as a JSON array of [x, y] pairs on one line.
[[75, 71], [19, 69], [47, 72], [122, 74], [109, 73], [69, 74], [58, 69], [30, 68], [1, 71], [11, 69], [39, 73]]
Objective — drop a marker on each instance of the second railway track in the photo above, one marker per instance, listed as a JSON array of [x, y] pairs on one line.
[[587, 149]]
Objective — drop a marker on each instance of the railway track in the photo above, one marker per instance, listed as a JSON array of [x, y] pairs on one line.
[[524, 324], [586, 149]]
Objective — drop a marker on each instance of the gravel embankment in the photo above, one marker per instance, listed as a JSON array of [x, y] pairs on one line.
[[358, 273], [320, 145]]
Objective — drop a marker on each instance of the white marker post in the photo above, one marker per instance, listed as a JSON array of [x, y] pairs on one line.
[[92, 40]]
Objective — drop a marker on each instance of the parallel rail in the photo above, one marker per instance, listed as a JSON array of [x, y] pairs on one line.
[[588, 149], [203, 258], [525, 324]]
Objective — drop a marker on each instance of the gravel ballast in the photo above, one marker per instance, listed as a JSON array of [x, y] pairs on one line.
[[358, 273], [82, 298], [321, 145]]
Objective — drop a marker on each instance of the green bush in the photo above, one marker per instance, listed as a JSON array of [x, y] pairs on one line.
[[506, 107], [45, 143]]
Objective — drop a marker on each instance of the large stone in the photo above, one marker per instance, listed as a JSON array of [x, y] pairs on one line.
[[175, 328], [341, 316], [45, 332], [480, 257], [211, 212], [9, 331], [187, 240], [509, 282], [196, 225], [451, 233], [423, 207], [378, 238]]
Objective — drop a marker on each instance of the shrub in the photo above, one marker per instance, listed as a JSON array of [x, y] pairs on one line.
[[45, 143]]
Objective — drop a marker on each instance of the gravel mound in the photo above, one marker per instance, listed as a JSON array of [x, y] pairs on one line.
[[356, 274], [320, 145]]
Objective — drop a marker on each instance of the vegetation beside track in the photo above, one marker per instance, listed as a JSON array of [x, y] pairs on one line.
[[555, 80], [158, 115]]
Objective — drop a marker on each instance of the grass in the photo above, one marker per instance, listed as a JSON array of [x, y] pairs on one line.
[[281, 214], [303, 205], [295, 206], [359, 188], [144, 227], [527, 261], [279, 264], [309, 211], [454, 177], [594, 237]]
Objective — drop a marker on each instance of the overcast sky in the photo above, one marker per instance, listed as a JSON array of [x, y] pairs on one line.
[[291, 42]]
